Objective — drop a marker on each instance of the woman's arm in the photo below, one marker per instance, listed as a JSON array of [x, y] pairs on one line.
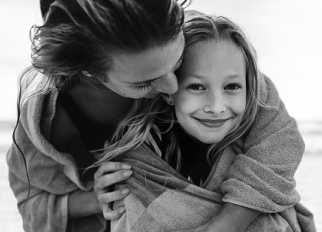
[[232, 218], [81, 204]]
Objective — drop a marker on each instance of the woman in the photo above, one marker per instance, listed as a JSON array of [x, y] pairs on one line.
[[94, 57]]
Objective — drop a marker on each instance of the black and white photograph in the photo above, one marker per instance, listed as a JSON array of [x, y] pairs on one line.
[[160, 115]]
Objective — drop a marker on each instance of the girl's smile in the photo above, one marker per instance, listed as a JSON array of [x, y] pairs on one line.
[[213, 124]]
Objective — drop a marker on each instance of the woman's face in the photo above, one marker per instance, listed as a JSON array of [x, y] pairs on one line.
[[148, 73], [211, 98]]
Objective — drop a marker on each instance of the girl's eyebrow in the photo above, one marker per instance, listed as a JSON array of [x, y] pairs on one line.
[[233, 76], [197, 76]]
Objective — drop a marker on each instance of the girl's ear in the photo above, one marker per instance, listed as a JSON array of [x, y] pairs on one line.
[[168, 99]]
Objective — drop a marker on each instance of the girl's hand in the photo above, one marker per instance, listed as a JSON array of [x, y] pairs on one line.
[[108, 174]]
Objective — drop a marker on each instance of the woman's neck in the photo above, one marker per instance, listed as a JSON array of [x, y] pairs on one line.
[[99, 104]]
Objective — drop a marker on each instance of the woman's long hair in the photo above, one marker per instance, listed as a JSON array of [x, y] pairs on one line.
[[198, 27]]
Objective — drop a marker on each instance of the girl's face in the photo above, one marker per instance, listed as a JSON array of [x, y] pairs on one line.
[[148, 73], [211, 98]]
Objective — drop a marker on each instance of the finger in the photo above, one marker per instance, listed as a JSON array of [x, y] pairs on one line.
[[109, 179], [106, 198], [114, 214], [108, 167]]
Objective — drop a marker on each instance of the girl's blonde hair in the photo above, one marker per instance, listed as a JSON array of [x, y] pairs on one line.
[[198, 27]]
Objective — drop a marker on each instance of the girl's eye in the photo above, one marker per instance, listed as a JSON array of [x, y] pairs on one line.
[[196, 87], [233, 87], [144, 87]]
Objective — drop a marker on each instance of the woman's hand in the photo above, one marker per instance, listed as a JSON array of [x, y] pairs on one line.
[[108, 174]]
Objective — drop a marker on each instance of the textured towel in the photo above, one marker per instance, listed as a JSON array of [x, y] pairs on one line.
[[162, 200]]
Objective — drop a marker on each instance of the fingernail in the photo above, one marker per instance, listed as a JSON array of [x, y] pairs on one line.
[[126, 166], [127, 173], [125, 191], [122, 210]]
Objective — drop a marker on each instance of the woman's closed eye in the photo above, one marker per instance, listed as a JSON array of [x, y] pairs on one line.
[[149, 86], [144, 87]]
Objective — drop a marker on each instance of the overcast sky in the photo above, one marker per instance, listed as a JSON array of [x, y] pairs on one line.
[[287, 35]]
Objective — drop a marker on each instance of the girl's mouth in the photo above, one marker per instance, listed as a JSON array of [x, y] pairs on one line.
[[211, 123]]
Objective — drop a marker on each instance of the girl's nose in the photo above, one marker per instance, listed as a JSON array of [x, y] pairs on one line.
[[215, 104]]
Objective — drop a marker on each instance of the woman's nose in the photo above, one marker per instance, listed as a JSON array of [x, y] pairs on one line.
[[167, 84]]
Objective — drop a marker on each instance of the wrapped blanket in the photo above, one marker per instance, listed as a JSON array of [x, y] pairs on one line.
[[162, 200]]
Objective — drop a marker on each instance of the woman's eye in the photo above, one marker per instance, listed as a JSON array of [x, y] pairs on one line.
[[144, 87], [233, 87], [196, 87]]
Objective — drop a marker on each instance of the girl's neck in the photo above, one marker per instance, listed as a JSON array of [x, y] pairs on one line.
[[99, 104], [197, 141]]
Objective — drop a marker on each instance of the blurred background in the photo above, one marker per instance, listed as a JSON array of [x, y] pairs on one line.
[[287, 35]]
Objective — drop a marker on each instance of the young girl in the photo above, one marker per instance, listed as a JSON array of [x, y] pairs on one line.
[[220, 93]]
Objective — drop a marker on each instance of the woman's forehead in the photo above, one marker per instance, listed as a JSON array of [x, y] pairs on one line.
[[149, 64]]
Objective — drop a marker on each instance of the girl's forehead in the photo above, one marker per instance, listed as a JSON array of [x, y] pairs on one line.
[[212, 60], [217, 53]]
